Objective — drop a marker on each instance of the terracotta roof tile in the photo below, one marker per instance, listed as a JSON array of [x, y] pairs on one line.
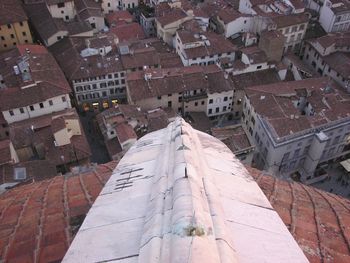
[[319, 221], [11, 12], [5, 154], [38, 221]]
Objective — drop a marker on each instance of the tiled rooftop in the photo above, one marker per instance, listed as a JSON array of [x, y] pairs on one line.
[[43, 68], [319, 221], [174, 80], [274, 102], [11, 12], [38, 221]]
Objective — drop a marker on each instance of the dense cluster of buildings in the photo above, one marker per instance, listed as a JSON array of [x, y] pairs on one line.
[[83, 81], [257, 65]]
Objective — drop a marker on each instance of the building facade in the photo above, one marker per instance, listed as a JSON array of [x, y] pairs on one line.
[[189, 89], [14, 28], [303, 134], [329, 56], [335, 16]]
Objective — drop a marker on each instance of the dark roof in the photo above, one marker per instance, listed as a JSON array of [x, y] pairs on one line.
[[88, 8], [289, 20], [274, 102], [16, 97], [127, 32], [261, 77], [171, 16], [36, 170], [42, 21], [218, 44], [175, 80], [235, 138], [228, 15], [67, 53], [340, 62], [42, 137], [5, 153], [11, 12], [78, 27], [39, 220]]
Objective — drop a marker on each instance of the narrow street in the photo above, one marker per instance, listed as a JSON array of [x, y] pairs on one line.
[[98, 149]]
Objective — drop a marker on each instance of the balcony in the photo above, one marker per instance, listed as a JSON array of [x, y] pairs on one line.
[[192, 97]]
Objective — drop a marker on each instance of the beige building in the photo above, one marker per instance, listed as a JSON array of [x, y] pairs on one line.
[[64, 9], [187, 89], [14, 27], [170, 22]]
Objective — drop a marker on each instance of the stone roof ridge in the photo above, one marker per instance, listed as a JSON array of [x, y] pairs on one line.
[[190, 215], [171, 199]]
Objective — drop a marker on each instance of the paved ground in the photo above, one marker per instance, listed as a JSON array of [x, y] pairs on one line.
[[338, 182], [97, 146]]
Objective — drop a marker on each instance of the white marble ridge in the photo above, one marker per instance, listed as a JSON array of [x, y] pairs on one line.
[[180, 195]]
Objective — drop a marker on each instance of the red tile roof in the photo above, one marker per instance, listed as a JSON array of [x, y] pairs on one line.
[[128, 32], [319, 221], [11, 12], [5, 154], [117, 16], [172, 16], [38, 221]]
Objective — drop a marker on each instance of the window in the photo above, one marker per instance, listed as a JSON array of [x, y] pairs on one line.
[[11, 113], [21, 23], [253, 120], [31, 107], [296, 153], [41, 105], [217, 109], [123, 81], [211, 101], [21, 110], [63, 99], [159, 97], [24, 34], [12, 36], [169, 104], [258, 67], [285, 156], [8, 26], [60, 5], [50, 102], [196, 104], [210, 111], [224, 108], [111, 91], [202, 102], [2, 38], [225, 98], [109, 76]]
